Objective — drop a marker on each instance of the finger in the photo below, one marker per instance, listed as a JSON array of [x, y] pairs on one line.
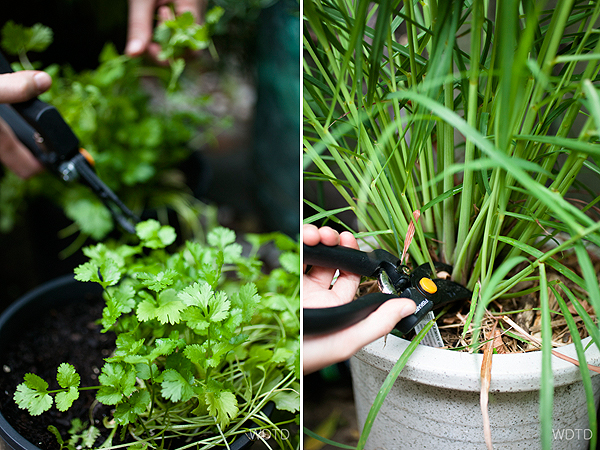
[[139, 28], [382, 321], [347, 283], [329, 236], [24, 85], [194, 6], [321, 351], [347, 239], [15, 155], [164, 13], [310, 235]]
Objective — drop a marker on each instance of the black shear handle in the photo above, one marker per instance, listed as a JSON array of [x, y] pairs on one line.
[[329, 320], [347, 259], [58, 138]]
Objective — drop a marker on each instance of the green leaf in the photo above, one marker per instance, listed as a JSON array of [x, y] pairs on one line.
[[65, 399], [214, 14], [290, 262], [222, 405], [196, 320], [33, 395], [146, 371], [157, 282], [20, 39], [175, 387], [116, 382], [214, 305], [221, 237], [106, 274], [153, 235], [135, 405], [287, 401], [121, 301], [67, 376], [90, 215], [167, 309], [52, 429], [247, 299]]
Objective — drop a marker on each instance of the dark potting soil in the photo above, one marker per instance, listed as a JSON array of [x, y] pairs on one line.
[[69, 334]]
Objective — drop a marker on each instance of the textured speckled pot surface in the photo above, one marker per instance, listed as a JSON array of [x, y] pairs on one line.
[[434, 403]]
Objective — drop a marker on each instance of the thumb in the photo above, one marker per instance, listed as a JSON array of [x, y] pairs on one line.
[[20, 86], [139, 29]]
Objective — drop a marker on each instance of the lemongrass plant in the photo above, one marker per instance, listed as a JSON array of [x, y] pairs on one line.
[[482, 116]]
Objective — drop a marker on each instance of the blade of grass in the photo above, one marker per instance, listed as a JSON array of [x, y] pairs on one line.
[[547, 377], [388, 383]]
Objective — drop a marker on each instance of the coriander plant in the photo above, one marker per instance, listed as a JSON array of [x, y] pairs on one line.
[[204, 341], [138, 131], [478, 121]]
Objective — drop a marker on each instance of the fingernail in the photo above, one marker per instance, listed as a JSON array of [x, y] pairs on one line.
[[42, 81], [134, 47]]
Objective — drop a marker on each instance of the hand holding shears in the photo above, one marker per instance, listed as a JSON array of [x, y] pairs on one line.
[[322, 349]]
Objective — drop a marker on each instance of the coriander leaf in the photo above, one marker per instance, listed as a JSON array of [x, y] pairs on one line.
[[120, 301], [162, 347], [116, 382], [92, 217], [214, 14], [135, 405], [100, 253], [214, 305], [127, 344], [232, 253], [175, 387], [52, 429], [87, 271], [281, 355], [195, 319], [157, 282], [287, 401], [106, 274], [67, 376], [196, 295], [146, 371], [33, 395], [290, 262], [89, 436], [167, 309], [20, 39], [65, 399], [247, 299], [222, 405], [153, 235], [221, 237]]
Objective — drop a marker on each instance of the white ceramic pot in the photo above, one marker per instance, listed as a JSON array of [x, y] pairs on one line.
[[434, 403]]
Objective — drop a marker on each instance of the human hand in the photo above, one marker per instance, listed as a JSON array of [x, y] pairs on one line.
[[323, 350], [141, 18], [14, 88]]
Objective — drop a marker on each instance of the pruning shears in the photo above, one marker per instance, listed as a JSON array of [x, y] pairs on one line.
[[41, 128], [395, 280]]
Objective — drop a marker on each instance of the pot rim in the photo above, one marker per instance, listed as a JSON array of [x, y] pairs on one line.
[[515, 372]]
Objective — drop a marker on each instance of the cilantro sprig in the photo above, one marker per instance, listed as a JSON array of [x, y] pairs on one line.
[[204, 337]]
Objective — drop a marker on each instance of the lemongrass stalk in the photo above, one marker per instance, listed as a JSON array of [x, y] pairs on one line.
[[446, 140], [466, 198], [546, 383]]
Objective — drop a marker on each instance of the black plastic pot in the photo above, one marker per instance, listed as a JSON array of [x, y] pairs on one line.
[[33, 305]]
